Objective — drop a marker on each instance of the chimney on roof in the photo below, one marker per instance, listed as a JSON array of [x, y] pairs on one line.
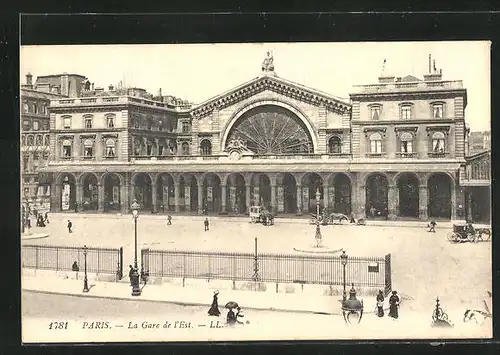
[[430, 60], [111, 87], [29, 79], [434, 74]]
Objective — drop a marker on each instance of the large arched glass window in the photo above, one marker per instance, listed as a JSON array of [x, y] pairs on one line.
[[110, 148], [88, 145], [376, 143], [66, 148], [334, 145], [438, 144], [206, 147], [406, 141], [39, 140]]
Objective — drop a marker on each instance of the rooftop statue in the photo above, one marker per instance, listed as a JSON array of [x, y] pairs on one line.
[[268, 63]]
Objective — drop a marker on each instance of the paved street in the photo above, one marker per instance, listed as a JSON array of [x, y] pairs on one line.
[[424, 265]]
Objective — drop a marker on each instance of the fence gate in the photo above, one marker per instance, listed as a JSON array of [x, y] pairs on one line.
[[145, 259], [388, 278]]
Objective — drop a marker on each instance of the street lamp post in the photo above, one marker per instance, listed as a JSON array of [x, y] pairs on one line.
[[85, 280], [136, 289], [343, 259], [318, 230]]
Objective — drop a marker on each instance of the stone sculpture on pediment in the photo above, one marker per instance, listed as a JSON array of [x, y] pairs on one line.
[[268, 63]]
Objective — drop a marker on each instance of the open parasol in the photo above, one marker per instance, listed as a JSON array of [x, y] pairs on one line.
[[231, 305]]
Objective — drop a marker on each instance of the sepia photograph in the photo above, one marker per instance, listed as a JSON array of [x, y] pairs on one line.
[[255, 192]]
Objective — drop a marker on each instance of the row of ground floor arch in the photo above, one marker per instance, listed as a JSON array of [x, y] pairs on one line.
[[378, 194]]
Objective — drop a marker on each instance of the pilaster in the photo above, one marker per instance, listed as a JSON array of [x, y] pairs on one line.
[[223, 197], [422, 202], [392, 203], [299, 200]]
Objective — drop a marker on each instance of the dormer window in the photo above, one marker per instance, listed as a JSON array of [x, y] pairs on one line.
[[88, 122], [406, 112], [437, 111]]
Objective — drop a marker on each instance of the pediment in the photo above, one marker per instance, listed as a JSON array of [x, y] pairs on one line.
[[271, 83]]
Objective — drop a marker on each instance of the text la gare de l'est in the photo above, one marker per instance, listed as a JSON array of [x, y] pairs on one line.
[[178, 324]]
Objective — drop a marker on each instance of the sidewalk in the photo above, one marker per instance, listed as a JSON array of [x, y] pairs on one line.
[[242, 218], [301, 302]]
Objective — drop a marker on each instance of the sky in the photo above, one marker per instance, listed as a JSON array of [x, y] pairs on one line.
[[197, 72]]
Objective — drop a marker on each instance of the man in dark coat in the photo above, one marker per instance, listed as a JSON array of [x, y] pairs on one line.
[[432, 227], [70, 225], [169, 220], [130, 273], [214, 309], [206, 223], [394, 305], [380, 304]]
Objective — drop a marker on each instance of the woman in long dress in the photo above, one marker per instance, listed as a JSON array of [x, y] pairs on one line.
[[214, 308], [394, 305], [380, 304]]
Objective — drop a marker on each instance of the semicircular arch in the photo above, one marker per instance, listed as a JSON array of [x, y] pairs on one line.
[[61, 176], [106, 174], [285, 105]]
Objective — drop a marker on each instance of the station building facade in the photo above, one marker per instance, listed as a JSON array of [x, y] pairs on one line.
[[395, 150]]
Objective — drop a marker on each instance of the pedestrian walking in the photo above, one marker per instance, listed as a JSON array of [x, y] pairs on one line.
[[70, 225], [46, 218], [231, 318], [130, 273], [28, 224], [214, 308], [432, 227], [206, 224], [394, 305], [380, 304], [169, 220]]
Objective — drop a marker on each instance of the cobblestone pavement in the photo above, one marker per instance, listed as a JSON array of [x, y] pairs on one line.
[[424, 265]]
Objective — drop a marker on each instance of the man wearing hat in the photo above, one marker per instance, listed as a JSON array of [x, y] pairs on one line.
[[214, 308]]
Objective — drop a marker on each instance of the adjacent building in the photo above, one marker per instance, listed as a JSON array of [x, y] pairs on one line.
[[396, 150], [35, 104]]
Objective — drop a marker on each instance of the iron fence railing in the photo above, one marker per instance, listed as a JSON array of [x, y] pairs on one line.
[[276, 268], [62, 258]]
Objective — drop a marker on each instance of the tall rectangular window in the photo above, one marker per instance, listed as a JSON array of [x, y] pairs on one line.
[[376, 143], [375, 112], [67, 122], [185, 127], [437, 111], [36, 126], [406, 112], [88, 122], [110, 121]]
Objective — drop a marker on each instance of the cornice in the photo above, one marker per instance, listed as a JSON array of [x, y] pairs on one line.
[[276, 85], [394, 96]]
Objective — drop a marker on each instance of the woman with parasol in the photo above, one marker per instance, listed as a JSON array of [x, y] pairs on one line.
[[214, 309], [231, 316]]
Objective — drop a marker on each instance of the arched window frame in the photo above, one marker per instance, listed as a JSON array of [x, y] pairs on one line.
[[39, 140], [185, 148], [110, 148], [438, 142], [30, 140], [88, 148], [406, 142], [376, 143], [67, 149], [46, 140], [23, 140], [205, 147], [331, 147]]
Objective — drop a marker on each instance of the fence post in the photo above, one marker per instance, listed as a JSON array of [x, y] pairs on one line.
[[57, 259], [388, 277], [120, 263], [36, 257]]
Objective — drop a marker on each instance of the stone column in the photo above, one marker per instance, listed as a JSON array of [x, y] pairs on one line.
[[299, 200], [361, 199], [422, 202], [232, 197], [200, 198], [79, 195], [325, 195], [154, 197], [256, 196], [469, 205], [132, 193], [187, 198], [331, 198], [124, 197], [453, 201], [304, 195], [100, 197], [392, 202], [177, 194], [55, 194], [247, 197], [281, 199], [223, 198], [273, 198]]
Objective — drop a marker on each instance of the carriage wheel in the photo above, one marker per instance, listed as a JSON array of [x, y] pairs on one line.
[[453, 237], [471, 238]]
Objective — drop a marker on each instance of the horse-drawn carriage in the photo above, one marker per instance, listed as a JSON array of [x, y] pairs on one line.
[[259, 214], [467, 233], [332, 218]]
